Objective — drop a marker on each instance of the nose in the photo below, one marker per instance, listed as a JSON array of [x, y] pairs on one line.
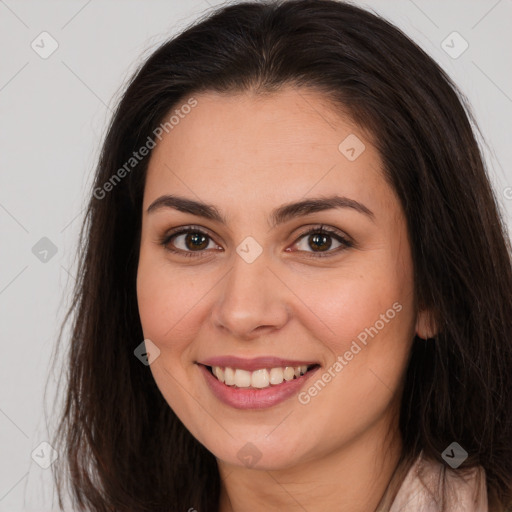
[[252, 300]]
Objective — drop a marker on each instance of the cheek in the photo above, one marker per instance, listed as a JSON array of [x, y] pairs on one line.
[[366, 321], [350, 303], [369, 337], [168, 308], [166, 302], [173, 307]]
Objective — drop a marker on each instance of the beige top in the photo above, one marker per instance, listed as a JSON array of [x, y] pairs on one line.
[[423, 489]]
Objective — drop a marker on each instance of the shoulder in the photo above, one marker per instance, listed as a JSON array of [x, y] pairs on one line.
[[431, 486]]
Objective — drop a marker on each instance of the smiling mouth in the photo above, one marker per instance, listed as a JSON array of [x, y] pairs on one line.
[[258, 379]]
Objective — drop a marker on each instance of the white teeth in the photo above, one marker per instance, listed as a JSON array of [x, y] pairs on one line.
[[289, 373], [229, 376], [258, 379], [242, 378], [218, 372], [276, 376]]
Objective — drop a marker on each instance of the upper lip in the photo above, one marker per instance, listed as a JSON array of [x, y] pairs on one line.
[[256, 363]]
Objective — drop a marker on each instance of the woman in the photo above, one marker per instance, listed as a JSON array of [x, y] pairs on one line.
[[295, 283]]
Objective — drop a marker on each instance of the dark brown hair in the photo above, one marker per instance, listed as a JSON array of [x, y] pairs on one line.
[[122, 445]]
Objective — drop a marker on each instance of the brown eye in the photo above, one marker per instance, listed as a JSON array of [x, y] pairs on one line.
[[188, 241], [319, 240], [196, 241]]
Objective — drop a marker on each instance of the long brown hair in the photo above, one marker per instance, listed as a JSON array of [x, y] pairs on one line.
[[123, 447]]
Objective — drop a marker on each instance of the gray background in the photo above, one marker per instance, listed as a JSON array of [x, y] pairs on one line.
[[54, 113]]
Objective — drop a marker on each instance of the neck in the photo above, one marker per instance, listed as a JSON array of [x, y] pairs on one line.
[[353, 478]]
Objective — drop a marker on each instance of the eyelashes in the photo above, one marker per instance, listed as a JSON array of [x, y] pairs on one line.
[[324, 234], [185, 231]]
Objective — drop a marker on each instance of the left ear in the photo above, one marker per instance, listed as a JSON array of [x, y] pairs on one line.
[[425, 326]]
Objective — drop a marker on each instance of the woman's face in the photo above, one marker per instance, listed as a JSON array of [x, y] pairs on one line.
[[254, 286]]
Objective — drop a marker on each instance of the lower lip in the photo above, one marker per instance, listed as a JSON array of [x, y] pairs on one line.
[[252, 398]]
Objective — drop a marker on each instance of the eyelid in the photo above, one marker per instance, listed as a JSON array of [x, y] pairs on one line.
[[191, 228], [185, 229], [344, 239], [322, 228]]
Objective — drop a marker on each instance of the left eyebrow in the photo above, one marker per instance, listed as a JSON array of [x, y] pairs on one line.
[[278, 216], [312, 205]]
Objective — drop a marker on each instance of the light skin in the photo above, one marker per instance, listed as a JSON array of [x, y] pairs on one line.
[[248, 155]]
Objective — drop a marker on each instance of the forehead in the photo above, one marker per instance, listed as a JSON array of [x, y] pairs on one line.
[[281, 146]]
